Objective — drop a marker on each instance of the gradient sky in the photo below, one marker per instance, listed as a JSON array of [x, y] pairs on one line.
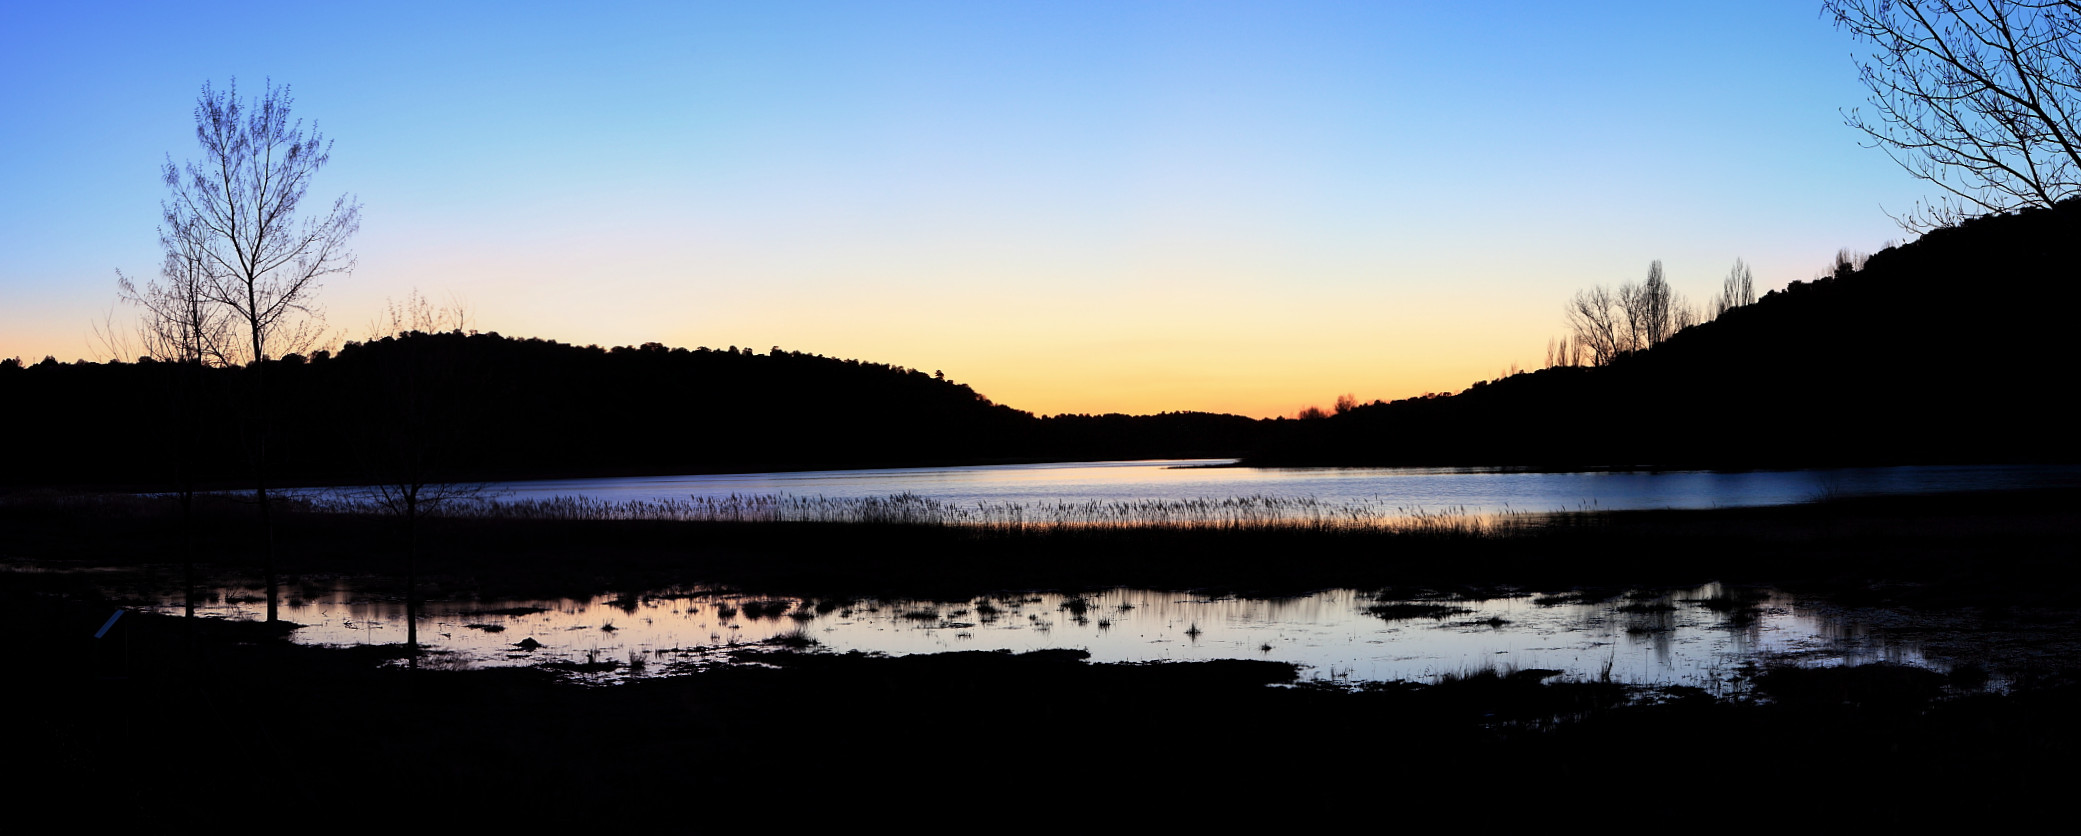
[[1073, 207]]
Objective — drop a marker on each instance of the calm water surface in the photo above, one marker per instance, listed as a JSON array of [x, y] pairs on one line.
[[1475, 490], [1662, 638]]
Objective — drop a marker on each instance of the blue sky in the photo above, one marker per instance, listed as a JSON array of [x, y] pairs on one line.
[[1074, 207]]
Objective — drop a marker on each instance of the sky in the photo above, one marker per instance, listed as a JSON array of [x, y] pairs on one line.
[[1074, 207]]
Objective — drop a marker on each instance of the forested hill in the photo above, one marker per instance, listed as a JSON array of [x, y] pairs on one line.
[[1954, 348], [487, 406]]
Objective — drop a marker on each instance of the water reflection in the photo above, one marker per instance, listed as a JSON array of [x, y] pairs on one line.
[[1194, 494], [1704, 637], [1475, 490]]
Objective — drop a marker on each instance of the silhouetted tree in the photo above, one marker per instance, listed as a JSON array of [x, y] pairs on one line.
[[1981, 98], [1737, 290], [417, 362], [231, 219], [1658, 306], [1847, 262], [1598, 325], [177, 321], [1653, 311], [1681, 314], [1647, 309], [1638, 317], [178, 326]]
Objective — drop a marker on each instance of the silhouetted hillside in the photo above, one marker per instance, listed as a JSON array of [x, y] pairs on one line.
[[1948, 349], [487, 406]]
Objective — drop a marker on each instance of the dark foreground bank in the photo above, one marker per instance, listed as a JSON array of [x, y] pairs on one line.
[[231, 716], [165, 715]]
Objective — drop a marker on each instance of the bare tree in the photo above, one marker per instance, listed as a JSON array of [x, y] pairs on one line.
[[1594, 317], [420, 358], [177, 321], [233, 214], [1737, 290], [1657, 307], [232, 219], [1978, 97], [1647, 310], [1638, 317], [179, 327], [1682, 314]]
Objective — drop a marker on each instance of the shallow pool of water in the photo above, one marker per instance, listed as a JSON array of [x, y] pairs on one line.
[[1703, 637]]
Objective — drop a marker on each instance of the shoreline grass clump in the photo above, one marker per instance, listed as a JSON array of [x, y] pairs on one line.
[[1407, 610]]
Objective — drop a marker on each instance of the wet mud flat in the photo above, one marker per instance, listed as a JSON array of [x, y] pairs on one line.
[[234, 713]]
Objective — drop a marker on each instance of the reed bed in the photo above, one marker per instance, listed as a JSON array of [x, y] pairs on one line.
[[906, 509]]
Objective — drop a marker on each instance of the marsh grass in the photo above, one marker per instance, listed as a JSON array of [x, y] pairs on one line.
[[757, 610], [2020, 545], [1404, 610], [1491, 673], [1246, 513]]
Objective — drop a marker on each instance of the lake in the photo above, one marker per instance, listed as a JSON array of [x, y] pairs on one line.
[[1705, 637], [1385, 490]]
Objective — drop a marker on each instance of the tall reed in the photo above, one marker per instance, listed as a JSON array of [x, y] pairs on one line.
[[1244, 513]]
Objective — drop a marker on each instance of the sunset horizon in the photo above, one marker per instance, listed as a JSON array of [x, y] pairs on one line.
[[970, 407], [1084, 208]]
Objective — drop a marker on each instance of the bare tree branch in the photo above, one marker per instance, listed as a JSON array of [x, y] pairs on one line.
[[1594, 318], [232, 218], [1737, 290], [1979, 98]]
